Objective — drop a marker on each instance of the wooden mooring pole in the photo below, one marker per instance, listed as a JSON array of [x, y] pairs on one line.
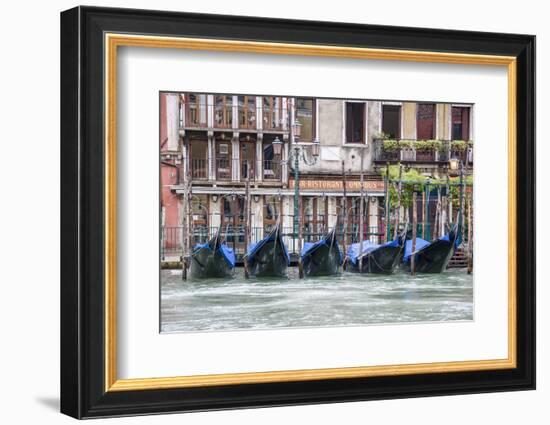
[[437, 218], [190, 229], [413, 242], [398, 210], [184, 233], [449, 202], [387, 199], [186, 228], [300, 239], [424, 218], [361, 212], [470, 237], [344, 208], [247, 224], [443, 219]]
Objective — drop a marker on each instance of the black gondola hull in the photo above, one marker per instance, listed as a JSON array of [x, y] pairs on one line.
[[324, 261], [434, 258], [383, 260], [269, 261], [206, 263]]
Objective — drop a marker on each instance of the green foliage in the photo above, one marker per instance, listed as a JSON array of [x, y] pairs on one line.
[[412, 180], [406, 144], [428, 145], [389, 145], [459, 145]]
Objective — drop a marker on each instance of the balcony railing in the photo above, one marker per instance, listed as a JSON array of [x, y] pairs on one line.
[[232, 116], [223, 168], [199, 169], [223, 116], [226, 169], [196, 113], [274, 118], [422, 151]]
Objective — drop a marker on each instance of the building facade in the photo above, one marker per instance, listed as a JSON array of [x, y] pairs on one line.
[[226, 152]]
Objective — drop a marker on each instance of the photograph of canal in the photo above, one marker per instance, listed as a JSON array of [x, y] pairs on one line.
[[280, 212]]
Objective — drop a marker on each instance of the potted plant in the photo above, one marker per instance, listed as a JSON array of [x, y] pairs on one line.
[[389, 145], [425, 149]]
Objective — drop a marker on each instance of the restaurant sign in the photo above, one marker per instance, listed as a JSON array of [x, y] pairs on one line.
[[353, 185]]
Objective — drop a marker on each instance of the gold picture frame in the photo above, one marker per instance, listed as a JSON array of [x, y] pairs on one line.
[[114, 41]]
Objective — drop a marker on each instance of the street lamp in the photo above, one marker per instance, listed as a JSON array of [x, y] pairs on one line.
[[297, 129], [299, 154], [315, 148], [277, 146], [454, 164]]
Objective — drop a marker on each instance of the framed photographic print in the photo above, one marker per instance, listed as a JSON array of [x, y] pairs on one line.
[[261, 212]]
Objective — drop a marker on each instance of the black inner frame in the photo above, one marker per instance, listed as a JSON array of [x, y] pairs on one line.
[[82, 207]]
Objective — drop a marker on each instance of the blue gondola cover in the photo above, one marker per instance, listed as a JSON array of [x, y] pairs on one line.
[[420, 243], [368, 246], [310, 247], [255, 247], [227, 253], [448, 239]]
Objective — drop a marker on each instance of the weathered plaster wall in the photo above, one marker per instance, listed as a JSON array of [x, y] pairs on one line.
[[331, 137]]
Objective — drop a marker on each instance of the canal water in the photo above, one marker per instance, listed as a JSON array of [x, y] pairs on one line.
[[345, 300]]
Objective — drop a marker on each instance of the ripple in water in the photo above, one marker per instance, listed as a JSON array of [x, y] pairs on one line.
[[345, 300]]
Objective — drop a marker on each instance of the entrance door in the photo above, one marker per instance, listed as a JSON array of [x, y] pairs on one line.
[[271, 213], [314, 217]]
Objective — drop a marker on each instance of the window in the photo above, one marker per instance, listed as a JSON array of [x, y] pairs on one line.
[[391, 121], [247, 112], [272, 163], [233, 220], [314, 217], [199, 208], [305, 114], [355, 122], [199, 164], [425, 121], [223, 160], [199, 213], [196, 110], [460, 117], [223, 115], [273, 113]]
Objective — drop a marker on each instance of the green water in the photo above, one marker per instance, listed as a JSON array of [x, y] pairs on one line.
[[345, 300]]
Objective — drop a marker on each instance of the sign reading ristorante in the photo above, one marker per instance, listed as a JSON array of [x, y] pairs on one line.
[[355, 185]]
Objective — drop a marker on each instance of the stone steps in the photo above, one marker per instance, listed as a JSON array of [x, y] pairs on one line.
[[459, 260]]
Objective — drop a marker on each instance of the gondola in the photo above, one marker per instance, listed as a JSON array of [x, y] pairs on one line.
[[213, 259], [431, 257], [322, 258], [376, 258], [268, 257]]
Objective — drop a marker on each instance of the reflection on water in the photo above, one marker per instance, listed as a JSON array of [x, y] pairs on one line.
[[344, 300]]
